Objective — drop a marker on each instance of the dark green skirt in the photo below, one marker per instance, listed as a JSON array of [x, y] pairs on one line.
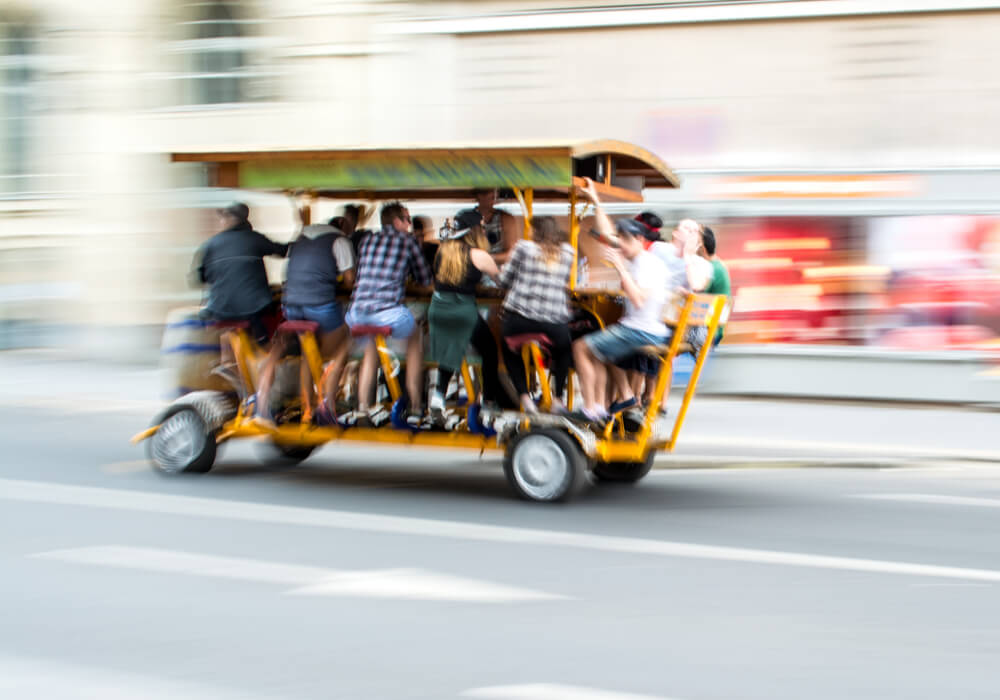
[[451, 318]]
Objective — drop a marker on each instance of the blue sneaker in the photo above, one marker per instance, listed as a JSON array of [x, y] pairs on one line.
[[619, 406]]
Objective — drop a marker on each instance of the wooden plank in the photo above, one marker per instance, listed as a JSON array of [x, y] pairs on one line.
[[609, 193]]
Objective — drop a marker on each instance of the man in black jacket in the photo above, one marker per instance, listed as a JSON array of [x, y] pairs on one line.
[[232, 264]]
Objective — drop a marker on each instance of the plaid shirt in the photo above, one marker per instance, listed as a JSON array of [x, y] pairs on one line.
[[538, 290], [385, 259]]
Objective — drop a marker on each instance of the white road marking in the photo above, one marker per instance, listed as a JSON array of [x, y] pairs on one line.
[[868, 449], [551, 691], [22, 677], [78, 405], [142, 501], [404, 584], [934, 499]]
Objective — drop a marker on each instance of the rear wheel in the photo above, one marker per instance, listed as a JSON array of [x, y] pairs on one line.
[[290, 454], [183, 443], [545, 465], [624, 472]]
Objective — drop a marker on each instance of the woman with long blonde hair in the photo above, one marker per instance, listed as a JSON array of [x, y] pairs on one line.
[[537, 280], [453, 316]]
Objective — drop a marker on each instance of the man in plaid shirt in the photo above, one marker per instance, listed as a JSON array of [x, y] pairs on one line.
[[385, 259]]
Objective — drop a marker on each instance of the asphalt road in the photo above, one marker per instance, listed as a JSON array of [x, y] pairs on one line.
[[408, 574]]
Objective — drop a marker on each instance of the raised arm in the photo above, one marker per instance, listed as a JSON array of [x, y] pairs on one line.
[[601, 220]]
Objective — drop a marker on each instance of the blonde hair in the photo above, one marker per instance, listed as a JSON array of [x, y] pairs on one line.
[[453, 259], [549, 237]]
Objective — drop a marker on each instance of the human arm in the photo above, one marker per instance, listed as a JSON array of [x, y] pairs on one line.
[[199, 274], [484, 263], [636, 294], [511, 270], [510, 234], [343, 253], [699, 270], [418, 266], [602, 221], [268, 247]]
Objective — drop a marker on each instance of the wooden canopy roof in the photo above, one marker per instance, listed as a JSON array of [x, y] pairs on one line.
[[622, 170]]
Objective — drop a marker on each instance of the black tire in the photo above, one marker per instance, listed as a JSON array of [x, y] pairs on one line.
[[624, 472], [183, 444], [563, 472], [290, 455]]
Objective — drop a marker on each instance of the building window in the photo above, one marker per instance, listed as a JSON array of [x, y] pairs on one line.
[[218, 47], [18, 59]]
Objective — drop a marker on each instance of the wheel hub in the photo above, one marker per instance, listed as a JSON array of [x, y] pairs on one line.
[[178, 441], [540, 466]]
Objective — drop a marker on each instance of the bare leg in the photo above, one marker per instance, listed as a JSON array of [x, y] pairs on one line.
[[336, 345], [266, 378], [366, 377], [621, 383], [415, 368], [584, 371], [635, 381], [600, 386]]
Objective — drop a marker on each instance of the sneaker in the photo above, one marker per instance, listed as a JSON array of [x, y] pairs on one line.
[[260, 412], [378, 417], [415, 419], [528, 407], [619, 406], [634, 418], [436, 403], [558, 408], [595, 419], [488, 413]]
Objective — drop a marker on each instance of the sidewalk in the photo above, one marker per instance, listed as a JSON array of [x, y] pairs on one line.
[[717, 429]]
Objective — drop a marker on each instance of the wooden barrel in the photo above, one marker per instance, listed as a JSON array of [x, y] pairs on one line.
[[189, 353]]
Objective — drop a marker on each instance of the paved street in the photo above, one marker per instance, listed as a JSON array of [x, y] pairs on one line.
[[415, 574]]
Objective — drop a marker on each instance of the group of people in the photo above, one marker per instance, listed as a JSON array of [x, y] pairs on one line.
[[483, 243]]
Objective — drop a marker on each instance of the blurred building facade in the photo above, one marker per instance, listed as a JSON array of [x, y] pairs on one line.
[[778, 115]]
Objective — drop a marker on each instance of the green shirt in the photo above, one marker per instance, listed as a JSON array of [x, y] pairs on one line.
[[719, 285]]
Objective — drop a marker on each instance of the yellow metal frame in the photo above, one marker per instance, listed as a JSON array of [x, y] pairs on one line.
[[613, 445], [612, 449]]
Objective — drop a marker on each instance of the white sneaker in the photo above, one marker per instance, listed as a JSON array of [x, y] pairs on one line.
[[436, 402]]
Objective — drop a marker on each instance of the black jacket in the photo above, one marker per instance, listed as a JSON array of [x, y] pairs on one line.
[[232, 264]]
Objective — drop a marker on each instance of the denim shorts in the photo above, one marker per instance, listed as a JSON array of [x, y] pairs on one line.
[[618, 341], [398, 318], [330, 316]]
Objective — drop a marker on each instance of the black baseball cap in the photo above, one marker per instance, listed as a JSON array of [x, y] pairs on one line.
[[632, 228], [467, 218]]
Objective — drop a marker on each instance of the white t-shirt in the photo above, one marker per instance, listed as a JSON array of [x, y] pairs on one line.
[[648, 272], [678, 266], [343, 253]]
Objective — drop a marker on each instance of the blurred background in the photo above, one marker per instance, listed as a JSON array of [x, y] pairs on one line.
[[845, 152]]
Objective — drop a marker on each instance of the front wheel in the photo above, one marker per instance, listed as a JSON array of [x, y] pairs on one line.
[[624, 472], [545, 465], [183, 443]]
